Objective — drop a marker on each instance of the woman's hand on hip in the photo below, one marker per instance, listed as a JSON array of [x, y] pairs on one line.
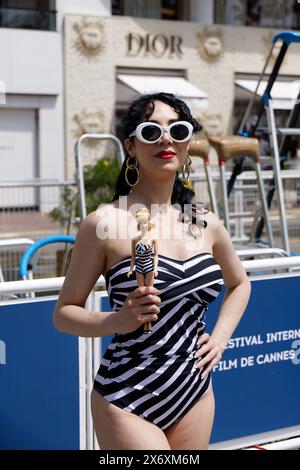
[[208, 354]]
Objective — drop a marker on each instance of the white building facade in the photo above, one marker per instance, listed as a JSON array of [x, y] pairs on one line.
[[75, 65]]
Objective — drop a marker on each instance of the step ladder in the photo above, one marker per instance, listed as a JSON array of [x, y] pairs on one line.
[[278, 149], [230, 147], [200, 148]]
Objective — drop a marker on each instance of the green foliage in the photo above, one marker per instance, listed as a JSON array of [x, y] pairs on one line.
[[99, 179]]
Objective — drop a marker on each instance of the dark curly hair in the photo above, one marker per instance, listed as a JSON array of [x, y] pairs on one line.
[[140, 111]]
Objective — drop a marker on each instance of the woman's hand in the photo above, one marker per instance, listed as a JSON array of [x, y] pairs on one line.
[[130, 272], [155, 273], [139, 307], [213, 353]]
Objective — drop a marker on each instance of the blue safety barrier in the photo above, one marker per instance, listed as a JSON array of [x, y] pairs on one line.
[[256, 384], [39, 379], [32, 249]]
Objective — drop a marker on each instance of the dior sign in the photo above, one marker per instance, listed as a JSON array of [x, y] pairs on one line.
[[158, 45]]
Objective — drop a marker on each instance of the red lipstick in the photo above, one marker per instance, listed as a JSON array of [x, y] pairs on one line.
[[164, 154]]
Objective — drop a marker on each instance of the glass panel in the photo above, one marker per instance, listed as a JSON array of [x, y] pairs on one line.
[[219, 8], [161, 9], [296, 16], [29, 14], [143, 8], [117, 7], [235, 12], [253, 12], [170, 9], [277, 14], [265, 13], [27, 4]]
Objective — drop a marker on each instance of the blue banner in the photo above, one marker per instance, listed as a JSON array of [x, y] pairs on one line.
[[39, 382], [257, 382]]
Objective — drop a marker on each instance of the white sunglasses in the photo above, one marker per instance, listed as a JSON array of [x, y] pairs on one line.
[[151, 132]]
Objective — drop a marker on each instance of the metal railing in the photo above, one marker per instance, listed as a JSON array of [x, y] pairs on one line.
[[243, 204], [25, 205], [12, 243], [80, 165], [55, 284], [24, 212]]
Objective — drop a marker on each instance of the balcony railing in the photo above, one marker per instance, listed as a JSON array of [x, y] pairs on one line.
[[28, 18]]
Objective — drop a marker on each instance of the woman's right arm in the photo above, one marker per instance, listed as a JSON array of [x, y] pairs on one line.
[[86, 265]]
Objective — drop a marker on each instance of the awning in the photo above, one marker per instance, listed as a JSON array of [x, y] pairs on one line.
[[284, 94], [143, 84]]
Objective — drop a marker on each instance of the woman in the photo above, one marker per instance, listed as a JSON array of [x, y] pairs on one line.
[[154, 391]]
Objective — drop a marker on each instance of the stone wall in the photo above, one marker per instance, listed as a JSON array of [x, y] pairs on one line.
[[210, 56]]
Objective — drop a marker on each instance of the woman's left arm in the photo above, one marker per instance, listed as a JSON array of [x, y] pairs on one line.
[[235, 299]]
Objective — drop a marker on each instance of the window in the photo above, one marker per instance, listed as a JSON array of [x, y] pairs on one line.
[[171, 10], [28, 14], [160, 9], [117, 7], [264, 13]]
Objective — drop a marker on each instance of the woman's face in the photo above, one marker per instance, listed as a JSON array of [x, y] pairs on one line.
[[152, 157]]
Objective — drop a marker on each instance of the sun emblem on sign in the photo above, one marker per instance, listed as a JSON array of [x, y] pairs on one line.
[[90, 37]]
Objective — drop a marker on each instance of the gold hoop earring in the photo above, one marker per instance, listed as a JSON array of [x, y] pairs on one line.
[[132, 167], [186, 170]]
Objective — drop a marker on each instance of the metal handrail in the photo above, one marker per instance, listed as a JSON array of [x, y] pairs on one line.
[[23, 271], [272, 263], [285, 444], [36, 182], [15, 242], [38, 285], [261, 252], [54, 284], [79, 164]]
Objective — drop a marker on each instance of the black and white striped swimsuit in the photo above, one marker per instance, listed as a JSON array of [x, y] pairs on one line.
[[143, 258], [154, 376]]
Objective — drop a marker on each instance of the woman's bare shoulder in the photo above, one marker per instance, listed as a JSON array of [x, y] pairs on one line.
[[94, 226], [106, 209], [104, 212], [214, 225], [111, 222], [212, 219]]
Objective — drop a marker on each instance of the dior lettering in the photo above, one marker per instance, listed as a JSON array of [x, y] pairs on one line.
[[158, 45]]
